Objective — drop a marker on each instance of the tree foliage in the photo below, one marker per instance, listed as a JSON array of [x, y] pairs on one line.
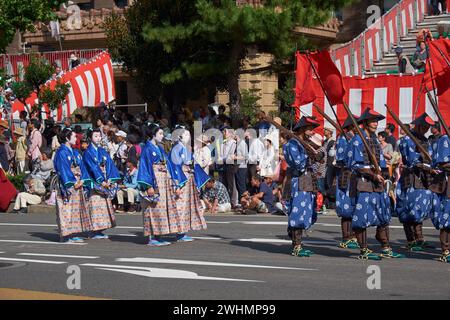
[[198, 41], [37, 73], [20, 15]]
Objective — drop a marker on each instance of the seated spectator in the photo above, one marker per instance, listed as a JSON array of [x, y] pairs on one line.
[[34, 190], [129, 188], [215, 197], [404, 65], [277, 194], [44, 168], [261, 199], [420, 56]]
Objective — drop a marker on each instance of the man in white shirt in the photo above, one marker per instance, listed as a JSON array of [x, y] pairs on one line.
[[256, 151]]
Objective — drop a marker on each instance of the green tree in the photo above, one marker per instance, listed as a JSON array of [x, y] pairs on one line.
[[37, 73], [19, 15], [228, 31], [166, 76]]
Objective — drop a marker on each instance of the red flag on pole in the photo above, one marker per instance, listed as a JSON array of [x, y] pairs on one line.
[[439, 55], [304, 91], [329, 75]]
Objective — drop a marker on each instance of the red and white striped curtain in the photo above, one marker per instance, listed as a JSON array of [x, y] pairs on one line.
[[372, 44], [90, 83], [342, 59], [356, 56], [13, 62], [406, 16], [401, 93], [390, 35]]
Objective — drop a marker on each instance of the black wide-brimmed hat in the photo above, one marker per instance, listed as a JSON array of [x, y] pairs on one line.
[[369, 114], [306, 122], [348, 122], [423, 119]]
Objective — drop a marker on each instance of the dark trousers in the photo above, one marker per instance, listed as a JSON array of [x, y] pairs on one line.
[[230, 171], [251, 169], [241, 181]]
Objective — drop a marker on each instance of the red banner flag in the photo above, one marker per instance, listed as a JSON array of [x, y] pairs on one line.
[[304, 91], [439, 55], [330, 76]]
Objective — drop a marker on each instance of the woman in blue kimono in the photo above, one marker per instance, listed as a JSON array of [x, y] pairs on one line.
[[301, 207], [72, 214], [372, 200], [441, 216], [189, 205], [160, 182], [414, 199], [101, 180], [345, 202]]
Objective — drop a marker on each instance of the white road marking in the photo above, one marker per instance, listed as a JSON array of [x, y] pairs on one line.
[[42, 242], [29, 260], [273, 223], [56, 255], [206, 263], [263, 240], [161, 273], [123, 235], [208, 238]]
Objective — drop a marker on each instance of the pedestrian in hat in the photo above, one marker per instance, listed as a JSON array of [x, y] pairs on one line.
[[121, 155], [202, 154], [373, 207], [345, 200], [415, 202], [21, 150], [301, 207]]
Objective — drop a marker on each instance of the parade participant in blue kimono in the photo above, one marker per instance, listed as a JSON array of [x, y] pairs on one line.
[[372, 200], [441, 216], [301, 207], [102, 177], [160, 182], [345, 203], [72, 214], [414, 199], [189, 205]]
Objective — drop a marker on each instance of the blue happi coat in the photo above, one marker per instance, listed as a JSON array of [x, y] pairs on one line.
[[152, 155], [372, 208], [180, 155], [302, 205], [345, 205], [441, 155], [413, 205], [65, 159]]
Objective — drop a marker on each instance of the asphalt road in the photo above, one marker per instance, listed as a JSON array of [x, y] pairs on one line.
[[237, 257]]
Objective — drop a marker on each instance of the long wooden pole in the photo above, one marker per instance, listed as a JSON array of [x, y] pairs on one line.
[[327, 117], [372, 157], [423, 152]]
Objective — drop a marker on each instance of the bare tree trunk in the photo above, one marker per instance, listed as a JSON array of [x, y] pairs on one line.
[[233, 84]]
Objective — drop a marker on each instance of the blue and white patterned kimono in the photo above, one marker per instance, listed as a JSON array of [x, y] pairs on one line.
[[372, 208], [94, 159], [413, 205], [345, 205], [441, 154], [180, 155], [302, 205], [152, 155], [65, 159]]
